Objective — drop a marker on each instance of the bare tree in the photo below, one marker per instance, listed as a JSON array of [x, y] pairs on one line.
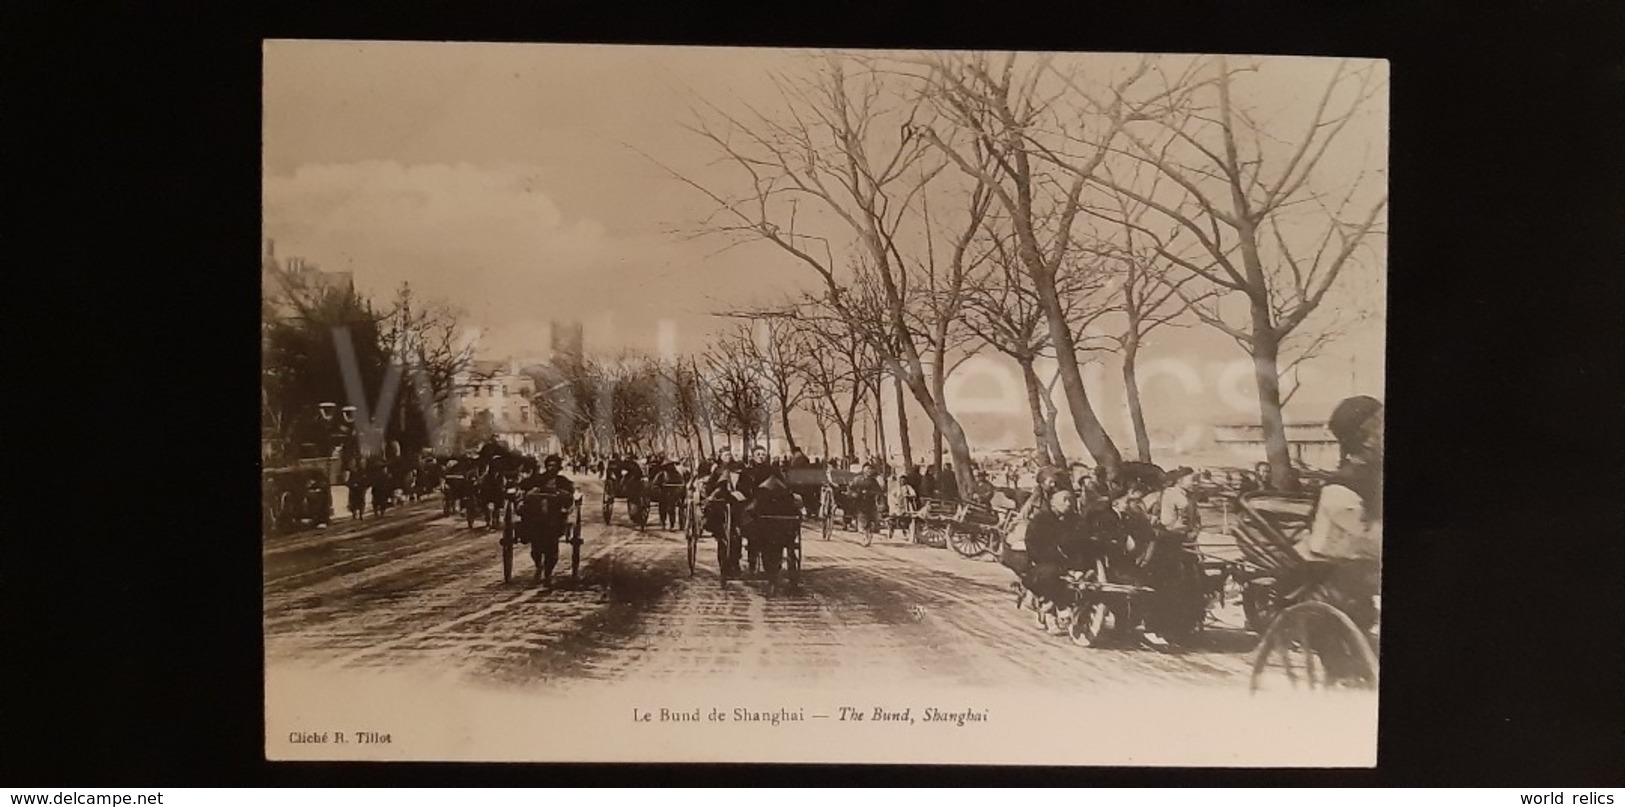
[[1005, 311], [989, 120], [1146, 290], [833, 362], [425, 339], [1263, 210], [741, 402], [773, 346], [845, 148]]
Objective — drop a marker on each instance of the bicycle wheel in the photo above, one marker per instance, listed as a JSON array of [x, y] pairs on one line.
[[609, 509], [1313, 646], [507, 560], [867, 524]]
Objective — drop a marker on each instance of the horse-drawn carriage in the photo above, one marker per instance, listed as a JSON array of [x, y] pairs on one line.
[[1317, 619]]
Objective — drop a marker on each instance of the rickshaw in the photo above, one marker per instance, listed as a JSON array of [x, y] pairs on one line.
[[1316, 632], [620, 483], [669, 485], [837, 504], [572, 529], [775, 520], [295, 495]]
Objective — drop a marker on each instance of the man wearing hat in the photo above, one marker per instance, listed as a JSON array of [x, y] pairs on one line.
[[758, 471], [544, 511], [1347, 525]]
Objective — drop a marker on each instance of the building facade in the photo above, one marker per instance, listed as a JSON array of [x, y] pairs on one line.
[[1310, 442], [497, 396]]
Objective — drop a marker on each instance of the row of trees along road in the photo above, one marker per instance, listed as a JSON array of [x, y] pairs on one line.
[[946, 203], [406, 357]]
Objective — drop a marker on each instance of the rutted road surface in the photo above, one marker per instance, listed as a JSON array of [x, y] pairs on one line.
[[416, 590]]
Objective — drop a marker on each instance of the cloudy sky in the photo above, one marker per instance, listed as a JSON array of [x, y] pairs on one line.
[[508, 180]]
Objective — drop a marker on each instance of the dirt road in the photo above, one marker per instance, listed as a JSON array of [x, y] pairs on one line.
[[428, 591]]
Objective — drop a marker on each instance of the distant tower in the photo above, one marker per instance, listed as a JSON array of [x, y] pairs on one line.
[[567, 339]]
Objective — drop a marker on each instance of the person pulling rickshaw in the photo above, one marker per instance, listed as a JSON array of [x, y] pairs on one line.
[[545, 503]]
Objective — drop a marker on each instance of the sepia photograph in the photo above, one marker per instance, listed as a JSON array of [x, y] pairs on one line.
[[679, 404]]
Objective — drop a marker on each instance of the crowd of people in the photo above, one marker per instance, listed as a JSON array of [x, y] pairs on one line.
[[1139, 522]]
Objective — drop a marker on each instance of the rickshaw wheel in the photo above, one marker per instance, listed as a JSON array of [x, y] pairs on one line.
[[792, 559], [1091, 616], [1312, 646], [1259, 604], [726, 545]]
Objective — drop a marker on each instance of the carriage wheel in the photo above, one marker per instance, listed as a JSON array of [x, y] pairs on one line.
[[968, 543], [1311, 646], [935, 535], [1091, 616]]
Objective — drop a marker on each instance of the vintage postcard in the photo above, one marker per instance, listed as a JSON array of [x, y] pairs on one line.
[[695, 404]]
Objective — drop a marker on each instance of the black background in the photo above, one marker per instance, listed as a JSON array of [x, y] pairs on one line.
[[132, 649]]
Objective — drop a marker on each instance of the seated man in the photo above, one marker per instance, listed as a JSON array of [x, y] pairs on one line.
[[623, 477], [1346, 531], [1052, 533], [770, 536]]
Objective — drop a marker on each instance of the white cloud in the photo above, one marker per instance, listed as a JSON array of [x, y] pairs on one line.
[[474, 235]]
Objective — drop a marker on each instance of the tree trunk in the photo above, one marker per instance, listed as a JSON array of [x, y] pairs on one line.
[[1131, 387], [902, 422], [784, 422], [880, 421], [939, 383], [1051, 413], [1094, 436], [1036, 407], [823, 435], [1266, 350]]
